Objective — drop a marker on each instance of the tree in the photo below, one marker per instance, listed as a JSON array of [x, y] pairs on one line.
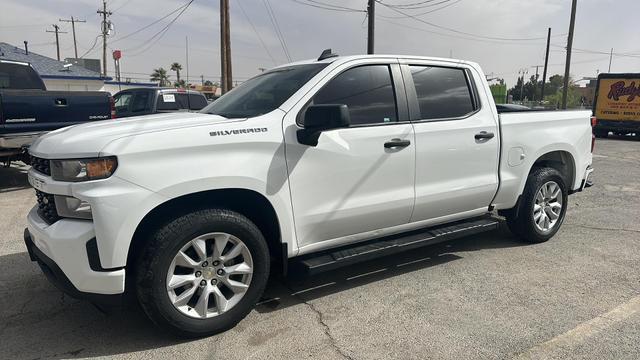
[[208, 83], [176, 67], [160, 75], [180, 84]]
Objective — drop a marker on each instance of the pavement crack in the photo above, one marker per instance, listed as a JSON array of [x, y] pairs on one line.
[[602, 228], [320, 320]]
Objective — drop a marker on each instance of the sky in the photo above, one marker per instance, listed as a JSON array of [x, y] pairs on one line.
[[506, 37]]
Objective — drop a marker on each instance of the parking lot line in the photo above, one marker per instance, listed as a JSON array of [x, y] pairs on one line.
[[583, 331]]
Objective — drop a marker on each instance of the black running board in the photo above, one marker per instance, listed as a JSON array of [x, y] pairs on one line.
[[372, 249]]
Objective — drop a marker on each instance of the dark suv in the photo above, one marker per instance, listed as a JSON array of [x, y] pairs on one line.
[[145, 101]]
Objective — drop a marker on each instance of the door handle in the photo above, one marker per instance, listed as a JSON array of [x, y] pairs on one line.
[[396, 143], [60, 102], [483, 135]]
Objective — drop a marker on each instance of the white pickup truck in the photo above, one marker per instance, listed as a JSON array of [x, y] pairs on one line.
[[316, 164]]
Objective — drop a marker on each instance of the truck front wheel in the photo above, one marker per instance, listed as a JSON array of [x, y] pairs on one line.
[[203, 272], [542, 206]]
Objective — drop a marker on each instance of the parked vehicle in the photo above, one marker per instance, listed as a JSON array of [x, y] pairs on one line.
[[617, 105], [511, 108], [28, 110], [145, 101], [309, 166]]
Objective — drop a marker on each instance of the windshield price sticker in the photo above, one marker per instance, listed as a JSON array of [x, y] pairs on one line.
[[168, 98]]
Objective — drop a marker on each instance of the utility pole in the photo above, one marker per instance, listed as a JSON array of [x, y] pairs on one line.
[[567, 65], [610, 59], [225, 46], [57, 31], [371, 16], [202, 79], [186, 51], [546, 65], [105, 31], [523, 72], [535, 87], [73, 30]]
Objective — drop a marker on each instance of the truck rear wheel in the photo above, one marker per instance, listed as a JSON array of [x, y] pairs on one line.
[[202, 272], [542, 206]]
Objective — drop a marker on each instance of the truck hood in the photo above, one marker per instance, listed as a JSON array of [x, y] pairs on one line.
[[86, 140]]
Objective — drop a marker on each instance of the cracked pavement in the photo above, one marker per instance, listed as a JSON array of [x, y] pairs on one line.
[[483, 297]]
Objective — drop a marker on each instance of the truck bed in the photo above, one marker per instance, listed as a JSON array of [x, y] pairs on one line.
[[521, 134]]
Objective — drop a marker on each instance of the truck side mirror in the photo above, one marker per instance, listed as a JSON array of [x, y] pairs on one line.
[[322, 117]]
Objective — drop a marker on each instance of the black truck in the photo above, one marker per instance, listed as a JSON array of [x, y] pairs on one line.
[[154, 100], [28, 110]]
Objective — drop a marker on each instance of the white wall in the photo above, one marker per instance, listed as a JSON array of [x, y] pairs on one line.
[[73, 84]]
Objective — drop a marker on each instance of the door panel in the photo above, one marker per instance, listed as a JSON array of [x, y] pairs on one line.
[[456, 158], [350, 183], [357, 179]]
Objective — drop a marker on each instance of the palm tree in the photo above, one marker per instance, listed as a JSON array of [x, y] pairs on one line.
[[160, 75], [176, 67]]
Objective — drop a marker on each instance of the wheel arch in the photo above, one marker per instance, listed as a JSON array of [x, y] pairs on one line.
[[561, 160], [255, 206]]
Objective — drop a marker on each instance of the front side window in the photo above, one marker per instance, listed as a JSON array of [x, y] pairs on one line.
[[442, 92], [366, 90], [263, 93]]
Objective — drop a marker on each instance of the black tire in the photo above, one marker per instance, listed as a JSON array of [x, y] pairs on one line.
[[155, 259], [521, 221], [601, 134]]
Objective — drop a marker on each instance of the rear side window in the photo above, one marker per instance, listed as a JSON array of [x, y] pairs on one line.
[[17, 76], [140, 101], [442, 92], [366, 90]]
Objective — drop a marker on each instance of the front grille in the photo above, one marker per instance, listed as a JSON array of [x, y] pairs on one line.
[[41, 165], [47, 207]]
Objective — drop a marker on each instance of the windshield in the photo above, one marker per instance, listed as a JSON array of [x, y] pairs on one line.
[[263, 93]]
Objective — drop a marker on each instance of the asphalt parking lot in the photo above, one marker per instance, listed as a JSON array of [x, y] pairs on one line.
[[489, 296]]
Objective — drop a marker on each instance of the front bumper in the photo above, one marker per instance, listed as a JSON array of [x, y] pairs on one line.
[[64, 252], [19, 140]]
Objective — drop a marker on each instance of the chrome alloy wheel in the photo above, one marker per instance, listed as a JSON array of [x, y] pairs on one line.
[[209, 275], [547, 207]]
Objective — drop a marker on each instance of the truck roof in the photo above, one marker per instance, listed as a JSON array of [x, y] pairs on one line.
[[343, 59]]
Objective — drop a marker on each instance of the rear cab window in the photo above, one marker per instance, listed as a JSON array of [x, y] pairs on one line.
[[443, 92]]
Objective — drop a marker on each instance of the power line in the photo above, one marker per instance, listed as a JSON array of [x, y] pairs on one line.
[[460, 37], [95, 42], [256, 32], [274, 22], [327, 6], [446, 3], [157, 36], [152, 23], [454, 30]]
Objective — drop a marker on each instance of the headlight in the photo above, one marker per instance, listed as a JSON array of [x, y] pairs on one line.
[[70, 207], [83, 169]]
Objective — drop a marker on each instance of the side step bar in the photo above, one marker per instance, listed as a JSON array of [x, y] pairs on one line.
[[336, 258]]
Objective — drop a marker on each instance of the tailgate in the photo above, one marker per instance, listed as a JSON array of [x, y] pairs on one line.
[[39, 110]]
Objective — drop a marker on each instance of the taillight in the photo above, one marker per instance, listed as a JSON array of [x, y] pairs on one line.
[[112, 104], [594, 122]]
